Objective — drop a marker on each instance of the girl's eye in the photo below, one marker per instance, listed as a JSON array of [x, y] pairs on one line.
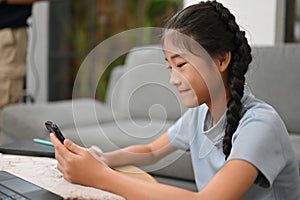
[[181, 65], [169, 68]]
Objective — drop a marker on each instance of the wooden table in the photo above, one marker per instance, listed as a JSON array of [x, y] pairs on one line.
[[42, 172]]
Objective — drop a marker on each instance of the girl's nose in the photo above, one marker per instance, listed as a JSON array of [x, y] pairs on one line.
[[174, 79]]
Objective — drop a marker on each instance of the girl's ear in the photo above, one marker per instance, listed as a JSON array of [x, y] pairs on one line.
[[222, 61]]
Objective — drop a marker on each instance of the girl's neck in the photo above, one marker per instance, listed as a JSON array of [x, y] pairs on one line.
[[216, 114], [218, 105]]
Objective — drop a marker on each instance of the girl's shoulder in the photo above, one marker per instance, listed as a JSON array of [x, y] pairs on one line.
[[256, 109], [261, 118]]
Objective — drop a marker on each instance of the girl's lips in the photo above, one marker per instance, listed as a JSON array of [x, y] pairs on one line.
[[183, 91]]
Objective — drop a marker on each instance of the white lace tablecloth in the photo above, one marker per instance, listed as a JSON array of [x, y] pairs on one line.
[[42, 172]]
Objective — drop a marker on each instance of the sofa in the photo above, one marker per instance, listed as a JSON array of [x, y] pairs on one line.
[[140, 105]]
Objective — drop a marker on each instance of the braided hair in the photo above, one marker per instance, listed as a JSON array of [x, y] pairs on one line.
[[215, 29]]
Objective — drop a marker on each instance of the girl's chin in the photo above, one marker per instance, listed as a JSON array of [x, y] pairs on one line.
[[189, 103]]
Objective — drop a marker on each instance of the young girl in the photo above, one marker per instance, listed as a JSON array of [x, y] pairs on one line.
[[239, 145]]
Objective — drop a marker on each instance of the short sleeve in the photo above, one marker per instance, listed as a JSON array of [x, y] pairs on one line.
[[179, 133], [258, 141]]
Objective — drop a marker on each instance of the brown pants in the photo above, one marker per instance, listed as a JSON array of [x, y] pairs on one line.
[[13, 49]]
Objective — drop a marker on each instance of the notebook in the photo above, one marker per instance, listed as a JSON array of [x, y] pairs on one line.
[[28, 148], [17, 188]]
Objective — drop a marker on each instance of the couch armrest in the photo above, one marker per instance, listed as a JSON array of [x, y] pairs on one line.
[[22, 121]]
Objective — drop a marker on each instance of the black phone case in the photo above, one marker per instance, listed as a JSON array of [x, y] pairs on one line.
[[52, 127]]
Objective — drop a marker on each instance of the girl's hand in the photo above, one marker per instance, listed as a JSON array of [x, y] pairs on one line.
[[98, 154], [76, 163]]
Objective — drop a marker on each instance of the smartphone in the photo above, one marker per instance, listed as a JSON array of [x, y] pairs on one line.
[[53, 128]]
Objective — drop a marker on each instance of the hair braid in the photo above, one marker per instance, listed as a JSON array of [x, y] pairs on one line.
[[241, 57]]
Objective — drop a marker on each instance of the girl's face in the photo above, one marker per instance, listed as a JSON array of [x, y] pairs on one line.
[[195, 79], [187, 80]]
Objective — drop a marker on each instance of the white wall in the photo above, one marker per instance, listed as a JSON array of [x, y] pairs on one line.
[[263, 20], [37, 58]]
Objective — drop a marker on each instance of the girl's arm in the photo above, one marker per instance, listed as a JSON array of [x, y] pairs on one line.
[[79, 166], [140, 155], [230, 183]]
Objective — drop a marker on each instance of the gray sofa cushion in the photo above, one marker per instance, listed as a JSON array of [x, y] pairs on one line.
[[274, 78], [27, 121], [188, 185], [177, 165], [114, 77], [143, 90], [117, 134]]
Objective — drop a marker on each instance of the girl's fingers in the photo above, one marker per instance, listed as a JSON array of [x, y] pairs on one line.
[[61, 152], [71, 146]]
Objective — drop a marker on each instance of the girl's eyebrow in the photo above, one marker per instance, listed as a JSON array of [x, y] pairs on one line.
[[173, 57]]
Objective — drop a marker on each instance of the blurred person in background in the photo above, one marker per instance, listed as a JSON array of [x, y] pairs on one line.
[[13, 48]]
